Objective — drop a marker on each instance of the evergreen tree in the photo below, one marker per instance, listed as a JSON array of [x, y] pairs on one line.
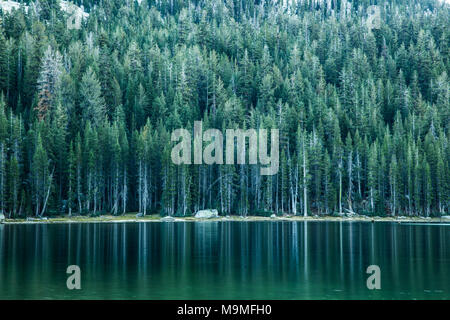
[[48, 82], [92, 103], [363, 115]]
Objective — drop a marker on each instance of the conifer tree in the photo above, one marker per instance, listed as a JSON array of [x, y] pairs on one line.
[[92, 103]]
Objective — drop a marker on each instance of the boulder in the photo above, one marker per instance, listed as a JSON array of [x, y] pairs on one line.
[[139, 215], [273, 216], [445, 217], [2, 217], [207, 214], [168, 218]]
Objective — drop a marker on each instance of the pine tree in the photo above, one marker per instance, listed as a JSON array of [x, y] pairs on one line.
[[42, 177], [363, 115], [302, 157], [393, 179], [13, 185], [78, 172], [106, 76], [427, 187], [48, 82], [59, 132], [339, 159], [33, 63], [349, 151], [124, 159], [92, 103], [372, 176], [4, 69], [3, 154], [440, 183], [71, 179]]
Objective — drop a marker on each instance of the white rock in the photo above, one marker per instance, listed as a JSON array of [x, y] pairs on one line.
[[445, 217], [207, 214], [2, 217], [167, 218], [273, 216]]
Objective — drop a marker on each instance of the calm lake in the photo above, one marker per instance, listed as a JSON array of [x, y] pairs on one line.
[[225, 260]]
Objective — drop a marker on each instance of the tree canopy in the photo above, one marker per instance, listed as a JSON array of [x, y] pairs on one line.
[[86, 114]]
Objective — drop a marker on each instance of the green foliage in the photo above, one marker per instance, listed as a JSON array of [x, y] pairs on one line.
[[86, 115]]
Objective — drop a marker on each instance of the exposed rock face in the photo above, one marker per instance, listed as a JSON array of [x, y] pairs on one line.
[[207, 214]]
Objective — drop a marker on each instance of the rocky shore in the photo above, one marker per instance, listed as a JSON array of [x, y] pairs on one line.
[[157, 218]]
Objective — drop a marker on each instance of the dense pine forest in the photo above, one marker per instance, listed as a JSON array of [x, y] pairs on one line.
[[363, 111]]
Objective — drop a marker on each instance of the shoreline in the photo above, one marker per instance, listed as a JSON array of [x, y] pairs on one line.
[[131, 218]]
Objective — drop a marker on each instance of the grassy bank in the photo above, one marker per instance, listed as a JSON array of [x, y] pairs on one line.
[[130, 217]]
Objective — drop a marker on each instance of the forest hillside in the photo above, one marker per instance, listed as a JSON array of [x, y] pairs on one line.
[[359, 91]]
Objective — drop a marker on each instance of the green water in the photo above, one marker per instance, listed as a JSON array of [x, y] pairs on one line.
[[225, 260]]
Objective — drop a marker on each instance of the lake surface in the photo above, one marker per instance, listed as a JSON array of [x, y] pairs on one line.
[[225, 260]]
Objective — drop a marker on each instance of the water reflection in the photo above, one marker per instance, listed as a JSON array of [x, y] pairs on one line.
[[225, 260]]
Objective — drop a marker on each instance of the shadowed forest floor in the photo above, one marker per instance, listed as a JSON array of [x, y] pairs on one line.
[[131, 217]]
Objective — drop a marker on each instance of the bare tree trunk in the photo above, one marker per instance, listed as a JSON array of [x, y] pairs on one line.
[[294, 189], [145, 196], [48, 193], [79, 188], [125, 189], [340, 185], [116, 191], [371, 199], [305, 191], [140, 186], [358, 164], [350, 180], [88, 198], [2, 177]]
